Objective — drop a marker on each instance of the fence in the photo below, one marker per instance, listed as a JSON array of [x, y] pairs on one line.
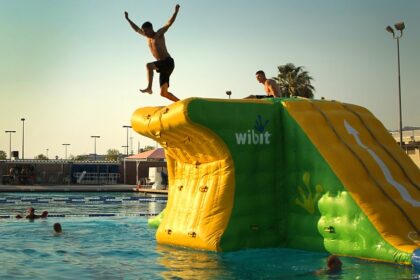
[[89, 178]]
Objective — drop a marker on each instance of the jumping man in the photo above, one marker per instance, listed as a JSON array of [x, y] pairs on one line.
[[164, 63]]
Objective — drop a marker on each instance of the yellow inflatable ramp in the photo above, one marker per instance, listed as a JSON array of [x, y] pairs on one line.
[[364, 156]]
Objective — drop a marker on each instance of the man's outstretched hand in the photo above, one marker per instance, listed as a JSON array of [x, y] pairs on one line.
[[126, 15], [177, 8]]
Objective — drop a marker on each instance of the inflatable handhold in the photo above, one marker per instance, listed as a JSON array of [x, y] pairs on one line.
[[330, 229]]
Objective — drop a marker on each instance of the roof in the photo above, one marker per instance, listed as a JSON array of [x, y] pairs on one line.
[[156, 154]]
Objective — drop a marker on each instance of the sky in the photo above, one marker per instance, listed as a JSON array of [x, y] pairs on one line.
[[73, 68]]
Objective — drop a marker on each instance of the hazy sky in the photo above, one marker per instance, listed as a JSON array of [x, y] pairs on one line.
[[73, 68]]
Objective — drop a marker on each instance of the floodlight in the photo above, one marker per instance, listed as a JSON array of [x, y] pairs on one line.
[[400, 26]]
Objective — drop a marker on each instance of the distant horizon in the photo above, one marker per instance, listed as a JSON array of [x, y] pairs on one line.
[[406, 128]]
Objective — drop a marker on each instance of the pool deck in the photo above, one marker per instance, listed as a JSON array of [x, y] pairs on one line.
[[67, 188]]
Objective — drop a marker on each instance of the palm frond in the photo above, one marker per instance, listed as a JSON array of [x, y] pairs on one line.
[[294, 81]]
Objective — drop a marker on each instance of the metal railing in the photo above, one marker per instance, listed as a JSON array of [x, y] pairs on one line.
[[86, 178]]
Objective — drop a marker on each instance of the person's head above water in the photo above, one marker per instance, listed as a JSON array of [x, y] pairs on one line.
[[31, 213], [147, 28], [334, 263], [57, 228]]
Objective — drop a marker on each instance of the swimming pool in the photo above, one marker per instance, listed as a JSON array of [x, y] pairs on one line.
[[121, 246]]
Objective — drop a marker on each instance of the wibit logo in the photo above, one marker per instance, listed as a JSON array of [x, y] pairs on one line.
[[256, 136]]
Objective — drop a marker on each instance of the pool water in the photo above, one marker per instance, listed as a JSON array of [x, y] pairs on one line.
[[121, 246]]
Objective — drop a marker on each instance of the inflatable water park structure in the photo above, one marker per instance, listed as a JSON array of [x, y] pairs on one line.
[[298, 173]]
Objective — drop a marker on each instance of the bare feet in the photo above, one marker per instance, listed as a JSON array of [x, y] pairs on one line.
[[147, 90]]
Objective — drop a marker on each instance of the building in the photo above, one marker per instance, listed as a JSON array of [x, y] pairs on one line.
[[411, 144], [137, 166]]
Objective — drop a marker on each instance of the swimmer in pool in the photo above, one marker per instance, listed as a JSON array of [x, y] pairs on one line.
[[333, 266], [31, 214], [57, 228]]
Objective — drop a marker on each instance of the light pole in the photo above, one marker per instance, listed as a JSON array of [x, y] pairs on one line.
[[124, 146], [46, 152], [65, 146], [128, 127], [400, 27], [94, 145], [23, 137], [10, 142]]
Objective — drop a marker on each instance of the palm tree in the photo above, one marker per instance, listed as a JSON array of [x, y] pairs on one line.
[[294, 81]]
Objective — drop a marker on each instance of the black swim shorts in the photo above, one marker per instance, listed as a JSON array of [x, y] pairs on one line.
[[165, 68]]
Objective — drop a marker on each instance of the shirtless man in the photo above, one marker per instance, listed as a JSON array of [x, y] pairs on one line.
[[164, 63], [270, 86]]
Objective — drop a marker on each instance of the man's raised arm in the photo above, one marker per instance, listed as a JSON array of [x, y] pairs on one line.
[[133, 25], [169, 23]]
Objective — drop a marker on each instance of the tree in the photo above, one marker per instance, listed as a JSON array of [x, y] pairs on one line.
[[112, 154], [294, 81], [41, 156], [148, 148], [80, 158], [3, 155]]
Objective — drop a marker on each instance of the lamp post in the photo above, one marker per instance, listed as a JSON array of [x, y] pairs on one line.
[[127, 127], [46, 152], [10, 142], [65, 146], [124, 146], [23, 137], [400, 27], [94, 145]]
